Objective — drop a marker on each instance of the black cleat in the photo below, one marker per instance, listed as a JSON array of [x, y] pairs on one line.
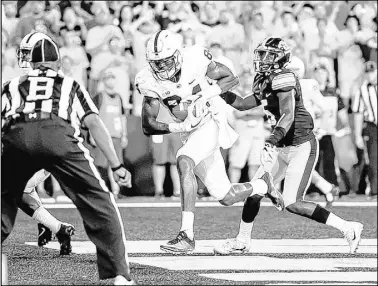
[[273, 194], [44, 235], [64, 237]]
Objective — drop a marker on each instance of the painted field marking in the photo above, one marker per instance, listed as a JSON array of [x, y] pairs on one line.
[[331, 245], [297, 276], [205, 204]]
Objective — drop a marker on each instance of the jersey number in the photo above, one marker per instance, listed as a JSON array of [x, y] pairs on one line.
[[41, 88], [208, 54]]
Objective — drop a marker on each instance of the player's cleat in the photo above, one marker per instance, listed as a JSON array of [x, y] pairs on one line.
[[182, 244], [44, 235], [352, 233], [64, 237], [121, 280], [332, 195], [232, 245], [273, 194]]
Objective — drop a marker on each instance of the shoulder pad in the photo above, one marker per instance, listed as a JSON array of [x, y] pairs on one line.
[[284, 80]]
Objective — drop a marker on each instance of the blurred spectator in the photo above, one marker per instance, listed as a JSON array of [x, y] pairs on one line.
[[171, 15], [210, 15], [350, 63], [36, 21], [333, 108], [75, 51], [9, 22], [365, 122], [112, 113], [249, 125], [97, 43], [231, 37], [74, 25], [8, 72], [125, 20]]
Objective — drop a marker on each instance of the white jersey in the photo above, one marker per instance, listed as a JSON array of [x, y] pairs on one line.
[[313, 100]]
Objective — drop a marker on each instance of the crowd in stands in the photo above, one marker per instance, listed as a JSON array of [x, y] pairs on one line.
[[102, 46]]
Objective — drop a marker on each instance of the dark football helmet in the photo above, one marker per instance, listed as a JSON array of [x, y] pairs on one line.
[[270, 54]]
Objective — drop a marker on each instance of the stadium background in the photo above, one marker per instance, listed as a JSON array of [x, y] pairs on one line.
[[101, 37]]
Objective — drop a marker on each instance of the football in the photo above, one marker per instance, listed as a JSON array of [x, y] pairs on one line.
[[180, 111]]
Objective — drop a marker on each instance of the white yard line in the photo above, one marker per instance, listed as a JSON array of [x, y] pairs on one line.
[[297, 276], [331, 245], [203, 204]]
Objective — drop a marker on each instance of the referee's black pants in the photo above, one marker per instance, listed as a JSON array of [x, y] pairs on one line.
[[53, 144], [370, 135]]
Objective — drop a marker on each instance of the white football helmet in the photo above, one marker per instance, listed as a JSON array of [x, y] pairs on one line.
[[297, 66], [27, 45], [163, 54]]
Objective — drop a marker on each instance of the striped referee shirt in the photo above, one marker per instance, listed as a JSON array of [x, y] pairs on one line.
[[44, 90], [365, 101]]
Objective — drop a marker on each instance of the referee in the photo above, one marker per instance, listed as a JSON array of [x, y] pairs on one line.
[[365, 121], [43, 111]]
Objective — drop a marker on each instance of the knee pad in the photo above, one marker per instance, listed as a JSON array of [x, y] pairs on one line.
[[237, 193]]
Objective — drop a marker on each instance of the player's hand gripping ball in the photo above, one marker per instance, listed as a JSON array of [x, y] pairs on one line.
[[180, 111]]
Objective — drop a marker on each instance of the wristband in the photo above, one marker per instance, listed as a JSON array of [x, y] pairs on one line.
[[118, 167], [175, 127], [276, 136]]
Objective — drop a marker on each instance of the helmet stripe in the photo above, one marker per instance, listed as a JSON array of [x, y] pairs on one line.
[[27, 41], [43, 50], [155, 42]]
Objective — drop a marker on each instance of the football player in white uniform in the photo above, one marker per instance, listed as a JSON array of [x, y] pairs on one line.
[[178, 77], [31, 203]]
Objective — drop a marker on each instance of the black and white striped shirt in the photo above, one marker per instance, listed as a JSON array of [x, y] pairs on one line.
[[365, 101], [46, 91]]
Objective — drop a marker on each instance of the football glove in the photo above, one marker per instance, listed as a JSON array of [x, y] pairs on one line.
[[268, 157]]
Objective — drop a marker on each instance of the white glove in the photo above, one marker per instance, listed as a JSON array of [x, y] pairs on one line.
[[360, 144], [191, 122], [268, 157]]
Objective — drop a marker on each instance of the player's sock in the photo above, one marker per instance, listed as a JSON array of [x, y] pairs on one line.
[[250, 210], [187, 223], [322, 184], [259, 187], [336, 221], [44, 217], [245, 230]]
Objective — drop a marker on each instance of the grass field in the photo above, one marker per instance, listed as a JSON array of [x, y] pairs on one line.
[[286, 249]]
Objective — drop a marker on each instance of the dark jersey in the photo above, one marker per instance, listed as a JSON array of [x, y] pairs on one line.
[[266, 89]]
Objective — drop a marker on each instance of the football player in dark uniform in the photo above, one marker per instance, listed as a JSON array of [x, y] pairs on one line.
[[291, 151]]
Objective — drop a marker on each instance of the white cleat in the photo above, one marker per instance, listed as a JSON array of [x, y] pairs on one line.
[[352, 233], [232, 245], [121, 280]]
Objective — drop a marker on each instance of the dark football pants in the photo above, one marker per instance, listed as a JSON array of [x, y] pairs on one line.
[[51, 144], [370, 134]]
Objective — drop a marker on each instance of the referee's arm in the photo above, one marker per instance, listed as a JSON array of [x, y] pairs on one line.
[[88, 114]]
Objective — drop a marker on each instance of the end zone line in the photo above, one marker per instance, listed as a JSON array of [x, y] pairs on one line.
[[203, 204]]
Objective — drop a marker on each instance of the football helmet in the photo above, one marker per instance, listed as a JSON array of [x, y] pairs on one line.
[[272, 53], [163, 54], [36, 47]]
